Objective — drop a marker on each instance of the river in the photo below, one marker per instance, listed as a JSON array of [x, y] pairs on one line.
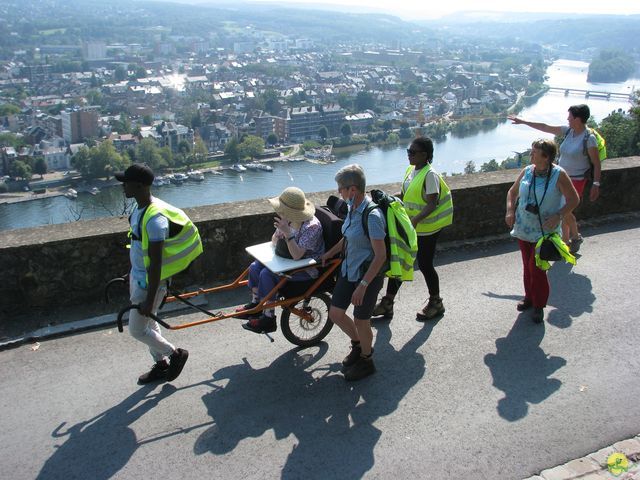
[[381, 164]]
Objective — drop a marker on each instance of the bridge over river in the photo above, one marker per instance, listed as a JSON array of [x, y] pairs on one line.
[[593, 93]]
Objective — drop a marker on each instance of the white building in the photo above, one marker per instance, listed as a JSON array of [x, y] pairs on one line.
[[94, 50], [57, 158], [360, 121]]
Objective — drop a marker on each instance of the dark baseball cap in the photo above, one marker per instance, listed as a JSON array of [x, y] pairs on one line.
[[138, 172]]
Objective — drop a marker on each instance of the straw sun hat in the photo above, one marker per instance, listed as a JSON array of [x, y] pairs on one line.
[[293, 205]]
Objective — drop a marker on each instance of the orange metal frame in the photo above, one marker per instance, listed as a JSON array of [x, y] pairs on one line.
[[264, 303]]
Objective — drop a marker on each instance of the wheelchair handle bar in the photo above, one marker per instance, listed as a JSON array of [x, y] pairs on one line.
[[131, 307], [112, 282]]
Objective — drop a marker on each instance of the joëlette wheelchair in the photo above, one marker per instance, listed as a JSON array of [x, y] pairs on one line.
[[304, 320], [305, 304]]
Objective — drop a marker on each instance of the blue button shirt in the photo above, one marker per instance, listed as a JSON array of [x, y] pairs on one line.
[[158, 230], [359, 252]]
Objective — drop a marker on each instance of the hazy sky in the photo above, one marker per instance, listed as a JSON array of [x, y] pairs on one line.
[[430, 8]]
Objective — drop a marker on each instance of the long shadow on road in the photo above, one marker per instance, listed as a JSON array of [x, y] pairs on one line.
[[571, 294], [98, 448], [332, 421], [521, 369]]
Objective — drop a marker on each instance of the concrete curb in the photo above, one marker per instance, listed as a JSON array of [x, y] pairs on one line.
[[59, 330], [79, 326], [594, 465]]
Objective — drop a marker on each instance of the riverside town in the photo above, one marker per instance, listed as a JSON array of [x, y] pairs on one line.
[[235, 93]]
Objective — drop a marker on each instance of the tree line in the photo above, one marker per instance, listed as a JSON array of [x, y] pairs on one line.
[[611, 66], [101, 160]]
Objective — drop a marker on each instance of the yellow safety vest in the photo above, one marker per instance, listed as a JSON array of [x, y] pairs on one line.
[[562, 247], [414, 202], [402, 252], [177, 251]]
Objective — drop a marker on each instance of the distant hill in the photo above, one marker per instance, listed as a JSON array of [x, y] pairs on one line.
[[249, 4], [579, 32], [69, 22], [484, 16], [121, 18]]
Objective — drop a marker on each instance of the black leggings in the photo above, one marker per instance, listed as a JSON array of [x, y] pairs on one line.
[[426, 252]]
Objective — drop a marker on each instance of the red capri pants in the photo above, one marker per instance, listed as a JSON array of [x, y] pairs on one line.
[[579, 184], [536, 283]]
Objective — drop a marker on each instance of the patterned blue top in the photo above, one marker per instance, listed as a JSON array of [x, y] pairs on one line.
[[359, 251], [527, 225]]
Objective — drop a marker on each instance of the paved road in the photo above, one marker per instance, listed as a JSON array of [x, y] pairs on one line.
[[482, 394]]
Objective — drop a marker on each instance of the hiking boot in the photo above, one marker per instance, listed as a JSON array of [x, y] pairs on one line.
[[361, 369], [574, 244], [433, 309], [262, 324], [524, 304], [158, 372], [176, 363], [247, 316], [353, 356], [538, 315], [384, 308]]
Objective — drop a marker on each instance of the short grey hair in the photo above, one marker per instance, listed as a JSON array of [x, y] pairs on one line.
[[352, 175], [548, 147]]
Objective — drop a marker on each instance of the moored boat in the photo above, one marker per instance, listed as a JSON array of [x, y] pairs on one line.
[[195, 175], [321, 153], [159, 181], [259, 166], [178, 178], [71, 194]]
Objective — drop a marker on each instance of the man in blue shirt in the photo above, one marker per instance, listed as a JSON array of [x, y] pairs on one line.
[[145, 287]]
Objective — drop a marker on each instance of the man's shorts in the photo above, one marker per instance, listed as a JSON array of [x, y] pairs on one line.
[[341, 296], [579, 184]]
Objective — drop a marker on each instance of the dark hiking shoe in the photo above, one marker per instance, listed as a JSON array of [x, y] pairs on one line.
[[384, 308], [262, 324], [361, 369], [538, 315], [246, 316], [574, 244], [158, 372], [353, 356], [433, 309], [176, 363], [524, 304]]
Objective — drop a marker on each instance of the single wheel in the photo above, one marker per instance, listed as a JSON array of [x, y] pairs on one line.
[[304, 332]]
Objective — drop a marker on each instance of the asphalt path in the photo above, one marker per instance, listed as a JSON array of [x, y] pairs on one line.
[[482, 393]]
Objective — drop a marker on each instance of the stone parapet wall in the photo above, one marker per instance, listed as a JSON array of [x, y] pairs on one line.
[[68, 265]]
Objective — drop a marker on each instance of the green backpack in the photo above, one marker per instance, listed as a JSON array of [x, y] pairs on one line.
[[602, 144]]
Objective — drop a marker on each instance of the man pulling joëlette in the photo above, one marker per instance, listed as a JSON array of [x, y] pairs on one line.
[[163, 243]]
